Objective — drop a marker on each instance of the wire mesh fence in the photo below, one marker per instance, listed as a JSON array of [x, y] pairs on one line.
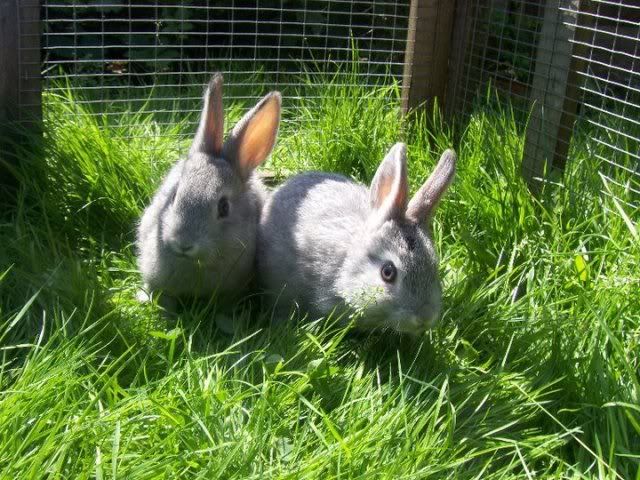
[[569, 68], [120, 54], [22, 52], [571, 71]]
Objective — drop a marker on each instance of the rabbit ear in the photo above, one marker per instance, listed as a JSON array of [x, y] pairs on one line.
[[424, 202], [253, 138], [389, 189], [208, 138]]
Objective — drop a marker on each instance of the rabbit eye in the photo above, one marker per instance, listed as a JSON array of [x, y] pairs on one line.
[[388, 272], [223, 207]]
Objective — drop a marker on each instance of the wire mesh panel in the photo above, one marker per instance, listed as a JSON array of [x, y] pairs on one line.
[[500, 50], [571, 71], [120, 55], [569, 68], [24, 89], [611, 92]]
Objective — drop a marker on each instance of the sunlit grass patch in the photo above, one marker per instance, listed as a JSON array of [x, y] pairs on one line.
[[533, 370]]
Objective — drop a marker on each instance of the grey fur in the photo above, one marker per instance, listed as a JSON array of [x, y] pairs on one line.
[[184, 247], [322, 240]]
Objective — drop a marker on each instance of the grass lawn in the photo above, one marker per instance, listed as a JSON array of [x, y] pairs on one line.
[[532, 372]]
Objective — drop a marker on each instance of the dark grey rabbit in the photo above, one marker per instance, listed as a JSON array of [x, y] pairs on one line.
[[326, 242], [197, 237]]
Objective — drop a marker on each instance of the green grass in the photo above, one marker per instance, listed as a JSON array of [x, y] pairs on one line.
[[533, 371]]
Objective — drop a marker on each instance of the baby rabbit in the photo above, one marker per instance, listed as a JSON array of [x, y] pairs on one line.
[[197, 237], [326, 242]]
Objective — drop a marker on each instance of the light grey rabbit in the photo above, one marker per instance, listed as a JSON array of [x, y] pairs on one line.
[[198, 235], [326, 242]]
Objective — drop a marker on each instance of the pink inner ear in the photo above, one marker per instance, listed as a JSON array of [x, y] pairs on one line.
[[394, 192], [258, 139], [389, 188], [384, 187]]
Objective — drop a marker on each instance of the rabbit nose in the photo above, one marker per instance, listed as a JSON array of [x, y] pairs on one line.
[[184, 248]]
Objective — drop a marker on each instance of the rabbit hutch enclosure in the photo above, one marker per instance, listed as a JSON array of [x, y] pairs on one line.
[[555, 60], [532, 370]]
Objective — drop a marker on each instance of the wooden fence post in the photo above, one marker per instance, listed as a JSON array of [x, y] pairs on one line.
[[20, 95], [30, 64], [555, 89], [9, 61], [427, 53], [460, 43]]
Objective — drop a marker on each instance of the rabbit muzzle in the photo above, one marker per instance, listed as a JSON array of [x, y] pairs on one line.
[[412, 324], [189, 251], [183, 249], [416, 321]]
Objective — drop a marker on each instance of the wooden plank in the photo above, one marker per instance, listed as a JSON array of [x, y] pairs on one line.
[[427, 52], [9, 70], [583, 36], [9, 91], [30, 99], [551, 84], [20, 95], [460, 43]]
